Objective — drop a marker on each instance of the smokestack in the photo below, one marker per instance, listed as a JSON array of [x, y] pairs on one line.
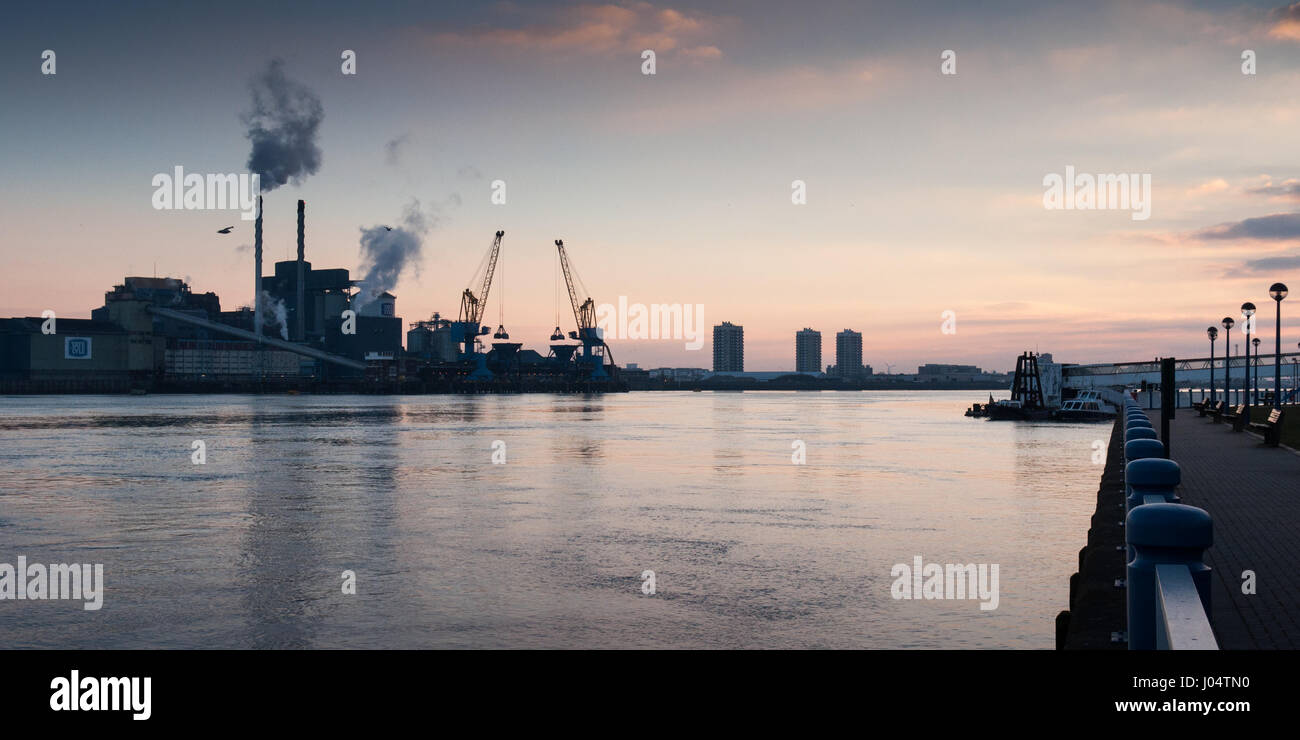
[[300, 311], [257, 267]]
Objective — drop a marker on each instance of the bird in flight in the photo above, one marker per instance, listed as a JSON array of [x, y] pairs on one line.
[[225, 230]]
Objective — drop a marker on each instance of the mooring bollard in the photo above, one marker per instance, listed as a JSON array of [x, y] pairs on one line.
[[1139, 433], [1151, 476], [1163, 534], [1140, 449]]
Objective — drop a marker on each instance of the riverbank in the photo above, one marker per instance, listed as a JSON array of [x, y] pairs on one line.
[[1249, 490]]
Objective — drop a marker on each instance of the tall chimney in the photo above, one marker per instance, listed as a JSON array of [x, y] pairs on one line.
[[257, 267], [301, 311]]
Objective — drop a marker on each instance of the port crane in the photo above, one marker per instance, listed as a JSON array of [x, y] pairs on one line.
[[594, 349], [469, 327]]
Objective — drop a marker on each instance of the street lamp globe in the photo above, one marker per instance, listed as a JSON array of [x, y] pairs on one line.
[[1213, 333], [1247, 309], [1228, 323], [1255, 342], [1277, 291]]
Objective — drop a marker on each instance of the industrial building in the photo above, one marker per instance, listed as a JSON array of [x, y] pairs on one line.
[[156, 333], [79, 355], [309, 329], [728, 348], [948, 372], [808, 351]]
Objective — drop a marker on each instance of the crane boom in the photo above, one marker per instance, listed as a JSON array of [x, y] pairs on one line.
[[471, 306], [583, 313]]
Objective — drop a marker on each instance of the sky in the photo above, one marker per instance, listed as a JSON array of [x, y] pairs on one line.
[[924, 190]]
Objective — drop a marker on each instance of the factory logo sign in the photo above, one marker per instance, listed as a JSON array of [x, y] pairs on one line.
[[76, 348]]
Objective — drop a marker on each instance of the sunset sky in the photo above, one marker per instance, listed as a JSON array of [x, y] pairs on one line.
[[925, 191]]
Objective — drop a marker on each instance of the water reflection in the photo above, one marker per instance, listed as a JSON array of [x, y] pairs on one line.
[[546, 550]]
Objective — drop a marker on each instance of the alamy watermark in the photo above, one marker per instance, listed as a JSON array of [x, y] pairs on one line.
[[1109, 191], [38, 582], [212, 192], [923, 580], [656, 321], [95, 694]]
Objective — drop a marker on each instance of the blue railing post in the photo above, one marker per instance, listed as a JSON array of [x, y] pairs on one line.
[[1163, 534], [1151, 476], [1140, 449], [1133, 433]]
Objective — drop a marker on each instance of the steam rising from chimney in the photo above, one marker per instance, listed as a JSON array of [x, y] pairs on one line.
[[385, 254], [283, 122], [281, 314]]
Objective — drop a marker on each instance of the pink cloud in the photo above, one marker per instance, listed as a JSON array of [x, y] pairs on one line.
[[601, 29], [1287, 26]]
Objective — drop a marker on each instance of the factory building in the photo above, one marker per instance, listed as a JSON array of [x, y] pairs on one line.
[[326, 295], [155, 329], [431, 340]]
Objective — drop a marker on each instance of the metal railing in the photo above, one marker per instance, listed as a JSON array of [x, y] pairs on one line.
[[1181, 621], [1167, 582]]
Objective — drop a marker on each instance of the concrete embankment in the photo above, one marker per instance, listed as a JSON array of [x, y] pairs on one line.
[[1096, 604]]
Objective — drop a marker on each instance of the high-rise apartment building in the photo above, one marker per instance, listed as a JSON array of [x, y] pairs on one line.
[[848, 353], [728, 348], [808, 351]]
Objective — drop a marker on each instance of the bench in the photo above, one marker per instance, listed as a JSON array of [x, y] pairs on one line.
[[1217, 411], [1271, 429], [1237, 416], [1202, 407]]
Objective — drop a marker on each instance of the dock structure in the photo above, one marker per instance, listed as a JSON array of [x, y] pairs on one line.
[[1253, 493], [1193, 376]]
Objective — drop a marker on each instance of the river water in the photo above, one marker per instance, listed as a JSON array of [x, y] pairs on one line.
[[548, 548]]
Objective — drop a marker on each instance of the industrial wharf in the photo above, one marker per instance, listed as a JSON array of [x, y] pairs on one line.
[[1252, 494]]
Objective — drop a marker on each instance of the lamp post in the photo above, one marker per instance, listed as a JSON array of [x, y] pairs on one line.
[[1213, 333], [1228, 323], [1277, 291], [1247, 313], [1255, 397]]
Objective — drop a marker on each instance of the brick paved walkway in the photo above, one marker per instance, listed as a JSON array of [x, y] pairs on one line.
[[1253, 494]]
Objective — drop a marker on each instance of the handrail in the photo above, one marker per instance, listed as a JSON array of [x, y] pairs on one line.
[[1181, 622], [1167, 581]]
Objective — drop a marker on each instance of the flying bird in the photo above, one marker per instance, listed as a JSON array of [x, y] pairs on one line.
[[389, 228], [225, 230]]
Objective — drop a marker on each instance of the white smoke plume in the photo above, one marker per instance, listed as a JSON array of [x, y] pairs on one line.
[[275, 314], [385, 252], [283, 122]]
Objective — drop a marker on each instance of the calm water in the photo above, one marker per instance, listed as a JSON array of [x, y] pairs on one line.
[[546, 550]]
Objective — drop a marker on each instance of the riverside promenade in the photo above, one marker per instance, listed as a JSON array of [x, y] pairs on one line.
[[1253, 494]]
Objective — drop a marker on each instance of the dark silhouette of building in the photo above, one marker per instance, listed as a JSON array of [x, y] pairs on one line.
[[848, 354], [728, 348], [808, 351]]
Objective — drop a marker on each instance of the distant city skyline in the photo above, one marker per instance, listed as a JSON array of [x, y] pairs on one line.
[[925, 192]]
